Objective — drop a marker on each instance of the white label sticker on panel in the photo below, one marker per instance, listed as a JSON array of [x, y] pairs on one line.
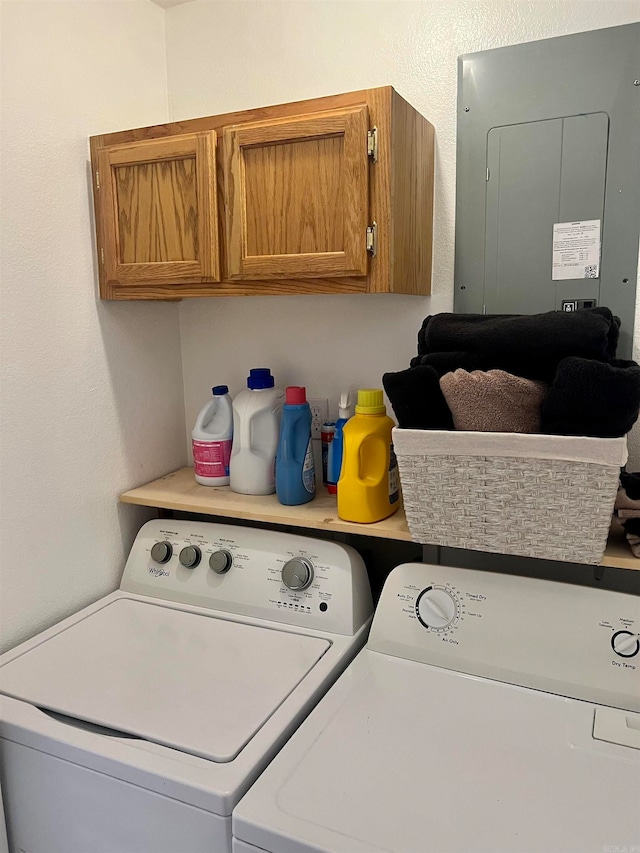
[[576, 250]]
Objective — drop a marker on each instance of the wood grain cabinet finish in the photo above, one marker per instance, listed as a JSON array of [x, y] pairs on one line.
[[297, 196], [159, 210], [270, 201]]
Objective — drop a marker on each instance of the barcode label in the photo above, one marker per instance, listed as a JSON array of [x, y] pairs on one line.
[[591, 271]]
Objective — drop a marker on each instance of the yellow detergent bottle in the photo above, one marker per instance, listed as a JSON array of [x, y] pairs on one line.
[[368, 489]]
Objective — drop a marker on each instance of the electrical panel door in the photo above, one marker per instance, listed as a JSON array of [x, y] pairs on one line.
[[548, 177], [539, 174]]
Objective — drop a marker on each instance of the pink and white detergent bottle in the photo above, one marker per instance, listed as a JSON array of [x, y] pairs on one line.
[[211, 439]]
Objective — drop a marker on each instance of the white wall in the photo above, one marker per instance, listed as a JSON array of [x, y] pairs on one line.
[[235, 55], [92, 397]]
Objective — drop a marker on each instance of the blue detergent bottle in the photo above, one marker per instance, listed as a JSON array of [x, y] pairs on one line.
[[334, 462], [295, 468]]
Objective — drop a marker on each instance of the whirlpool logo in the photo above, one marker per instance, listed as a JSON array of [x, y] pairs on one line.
[[158, 573]]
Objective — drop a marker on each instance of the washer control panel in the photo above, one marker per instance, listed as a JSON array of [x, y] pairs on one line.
[[573, 640], [277, 576]]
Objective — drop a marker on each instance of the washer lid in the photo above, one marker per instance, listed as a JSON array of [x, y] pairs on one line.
[[197, 683]]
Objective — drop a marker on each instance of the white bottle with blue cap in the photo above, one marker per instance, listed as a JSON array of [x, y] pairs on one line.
[[211, 439], [256, 425]]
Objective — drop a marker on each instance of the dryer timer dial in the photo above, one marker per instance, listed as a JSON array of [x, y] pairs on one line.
[[435, 607]]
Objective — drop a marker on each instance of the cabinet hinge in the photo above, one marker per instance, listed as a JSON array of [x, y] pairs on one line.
[[372, 239], [97, 180], [372, 144], [488, 174], [101, 255]]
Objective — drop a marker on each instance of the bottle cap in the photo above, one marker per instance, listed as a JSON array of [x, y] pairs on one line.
[[328, 426], [219, 390], [295, 395], [345, 411], [260, 377], [370, 402]]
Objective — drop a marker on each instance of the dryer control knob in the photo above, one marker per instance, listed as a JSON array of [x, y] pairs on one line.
[[435, 608], [297, 574], [190, 556], [220, 561], [162, 552], [625, 644]]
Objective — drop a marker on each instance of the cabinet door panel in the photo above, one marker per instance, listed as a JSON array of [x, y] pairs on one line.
[[159, 210], [297, 193]]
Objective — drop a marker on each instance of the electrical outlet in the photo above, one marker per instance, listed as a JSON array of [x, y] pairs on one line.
[[319, 414]]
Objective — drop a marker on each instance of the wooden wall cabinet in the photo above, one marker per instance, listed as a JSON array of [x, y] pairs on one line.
[[332, 195], [159, 210]]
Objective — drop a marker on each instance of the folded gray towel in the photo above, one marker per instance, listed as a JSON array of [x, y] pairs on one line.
[[493, 401]]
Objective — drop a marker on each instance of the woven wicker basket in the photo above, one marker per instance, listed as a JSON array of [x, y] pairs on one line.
[[532, 495]]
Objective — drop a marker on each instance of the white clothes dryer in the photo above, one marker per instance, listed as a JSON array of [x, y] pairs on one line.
[[138, 723], [486, 713]]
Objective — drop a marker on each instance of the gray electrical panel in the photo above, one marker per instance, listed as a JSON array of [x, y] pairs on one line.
[[548, 177]]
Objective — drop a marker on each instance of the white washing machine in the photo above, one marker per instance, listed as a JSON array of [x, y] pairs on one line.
[[486, 713], [136, 725]]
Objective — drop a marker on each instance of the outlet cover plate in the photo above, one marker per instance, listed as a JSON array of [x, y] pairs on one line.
[[319, 414]]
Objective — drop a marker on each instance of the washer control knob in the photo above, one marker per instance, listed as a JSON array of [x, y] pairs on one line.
[[625, 644], [162, 552], [190, 556], [297, 574], [220, 561], [435, 608]]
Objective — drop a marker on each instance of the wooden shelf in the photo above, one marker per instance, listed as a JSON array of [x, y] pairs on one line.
[[179, 491]]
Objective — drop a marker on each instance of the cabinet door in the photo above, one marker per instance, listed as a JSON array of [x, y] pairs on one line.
[[297, 196], [159, 210]]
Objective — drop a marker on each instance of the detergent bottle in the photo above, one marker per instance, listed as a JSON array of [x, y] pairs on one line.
[[211, 439], [369, 486], [334, 463], [256, 424], [295, 468]]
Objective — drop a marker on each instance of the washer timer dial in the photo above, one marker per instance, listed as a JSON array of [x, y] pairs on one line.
[[297, 574], [436, 608]]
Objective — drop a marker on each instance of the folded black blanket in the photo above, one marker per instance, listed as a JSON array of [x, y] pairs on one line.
[[416, 398], [592, 398], [632, 525], [447, 362], [529, 345], [630, 482]]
